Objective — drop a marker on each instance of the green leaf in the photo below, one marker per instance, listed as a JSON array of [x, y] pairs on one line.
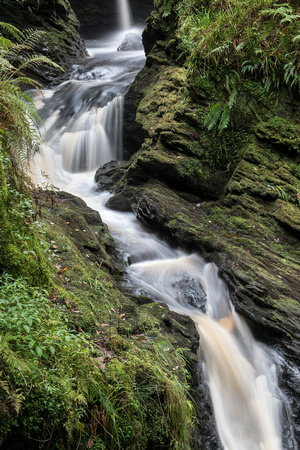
[[39, 351], [52, 349], [31, 343], [26, 328], [29, 321], [213, 115], [224, 121]]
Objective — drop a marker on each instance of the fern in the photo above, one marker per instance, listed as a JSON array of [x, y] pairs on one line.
[[291, 73], [252, 36], [219, 114], [20, 137], [11, 359], [213, 116], [12, 30], [225, 117], [232, 81], [10, 362], [285, 11], [13, 398]]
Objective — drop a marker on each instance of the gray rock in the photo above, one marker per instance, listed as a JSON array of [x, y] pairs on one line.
[[132, 41]]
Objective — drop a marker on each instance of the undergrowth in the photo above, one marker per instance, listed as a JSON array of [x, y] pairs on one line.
[[58, 381], [259, 38], [234, 43]]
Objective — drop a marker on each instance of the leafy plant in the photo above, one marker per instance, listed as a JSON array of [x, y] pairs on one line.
[[283, 10], [19, 136], [258, 38], [219, 114], [280, 191]]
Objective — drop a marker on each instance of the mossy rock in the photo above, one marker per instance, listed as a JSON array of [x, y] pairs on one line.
[[281, 132], [61, 41]]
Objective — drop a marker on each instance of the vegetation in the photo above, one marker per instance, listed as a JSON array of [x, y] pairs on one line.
[[260, 38], [69, 378], [257, 39], [19, 135], [232, 42]]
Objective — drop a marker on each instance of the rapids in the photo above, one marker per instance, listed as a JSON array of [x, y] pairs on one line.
[[83, 129]]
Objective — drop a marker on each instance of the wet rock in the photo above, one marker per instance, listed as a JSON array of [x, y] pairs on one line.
[[132, 41], [85, 228], [61, 41], [119, 203], [193, 294], [106, 175]]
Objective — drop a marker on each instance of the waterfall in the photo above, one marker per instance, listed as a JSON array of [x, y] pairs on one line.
[[96, 139], [124, 14], [83, 119], [240, 374]]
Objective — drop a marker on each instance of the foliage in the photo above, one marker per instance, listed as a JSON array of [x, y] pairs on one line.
[[54, 378], [20, 251], [259, 38], [19, 137], [219, 114]]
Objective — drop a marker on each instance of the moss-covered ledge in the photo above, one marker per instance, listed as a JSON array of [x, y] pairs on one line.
[[251, 232], [61, 41]]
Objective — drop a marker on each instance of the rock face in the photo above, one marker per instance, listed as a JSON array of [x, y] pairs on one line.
[[61, 20], [235, 198], [61, 42], [99, 16]]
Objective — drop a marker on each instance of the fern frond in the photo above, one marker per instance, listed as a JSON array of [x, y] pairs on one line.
[[240, 46], [12, 30], [232, 98], [11, 359], [219, 49], [14, 398], [248, 66], [214, 113], [5, 44], [224, 121], [284, 10], [20, 137]]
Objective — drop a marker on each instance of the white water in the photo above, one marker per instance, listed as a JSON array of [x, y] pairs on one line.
[[124, 14], [83, 122]]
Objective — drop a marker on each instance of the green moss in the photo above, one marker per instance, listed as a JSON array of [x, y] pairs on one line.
[[280, 131]]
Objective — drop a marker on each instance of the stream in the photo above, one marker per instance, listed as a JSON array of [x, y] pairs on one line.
[[83, 119]]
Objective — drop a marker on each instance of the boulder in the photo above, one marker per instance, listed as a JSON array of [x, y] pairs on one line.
[[132, 41]]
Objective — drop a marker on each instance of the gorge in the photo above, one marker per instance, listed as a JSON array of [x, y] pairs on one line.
[[206, 209]]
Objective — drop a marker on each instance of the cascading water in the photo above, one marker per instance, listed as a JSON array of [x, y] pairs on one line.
[[240, 374], [124, 14], [83, 119]]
